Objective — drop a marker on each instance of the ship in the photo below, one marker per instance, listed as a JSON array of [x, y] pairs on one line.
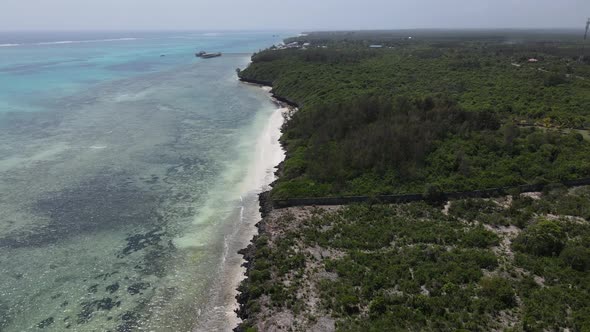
[[205, 55]]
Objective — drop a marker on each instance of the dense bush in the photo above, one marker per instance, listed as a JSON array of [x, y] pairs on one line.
[[410, 267], [479, 237], [381, 146], [545, 238], [499, 292], [429, 116], [576, 257], [421, 116], [478, 75], [554, 80]]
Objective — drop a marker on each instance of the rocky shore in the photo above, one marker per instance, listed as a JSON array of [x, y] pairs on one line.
[[265, 208], [258, 313], [249, 254], [286, 101]]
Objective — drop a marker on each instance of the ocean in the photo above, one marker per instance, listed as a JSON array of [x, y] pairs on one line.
[[129, 173]]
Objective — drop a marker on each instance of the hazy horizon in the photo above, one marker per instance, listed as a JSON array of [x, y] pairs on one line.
[[303, 15], [293, 30]]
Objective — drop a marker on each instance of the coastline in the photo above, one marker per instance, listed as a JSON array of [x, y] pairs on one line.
[[263, 316], [261, 173], [264, 208], [471, 247], [248, 253], [281, 100], [149, 163]]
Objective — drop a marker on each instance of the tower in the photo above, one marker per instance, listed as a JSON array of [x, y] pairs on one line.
[[583, 55]]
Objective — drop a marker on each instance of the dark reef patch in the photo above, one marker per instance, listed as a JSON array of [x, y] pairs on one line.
[[112, 288], [93, 289], [104, 276], [152, 180], [106, 202], [156, 259], [140, 241], [138, 287], [30, 125], [4, 317], [90, 307], [45, 323], [129, 324]]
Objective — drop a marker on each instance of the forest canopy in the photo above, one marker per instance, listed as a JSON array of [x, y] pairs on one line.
[[459, 114]]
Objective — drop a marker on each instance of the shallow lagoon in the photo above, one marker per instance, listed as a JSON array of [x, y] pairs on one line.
[[127, 189]]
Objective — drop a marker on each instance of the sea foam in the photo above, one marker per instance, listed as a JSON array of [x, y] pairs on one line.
[[86, 41], [64, 42]]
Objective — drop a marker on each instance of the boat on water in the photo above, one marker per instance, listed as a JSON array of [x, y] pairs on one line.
[[206, 55]]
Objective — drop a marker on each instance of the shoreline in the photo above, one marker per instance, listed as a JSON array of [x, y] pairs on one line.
[[471, 228], [272, 229], [264, 207], [280, 99], [261, 173], [248, 253]]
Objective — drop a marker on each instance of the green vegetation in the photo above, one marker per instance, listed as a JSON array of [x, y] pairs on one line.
[[413, 267], [476, 70], [444, 111], [382, 147], [545, 238]]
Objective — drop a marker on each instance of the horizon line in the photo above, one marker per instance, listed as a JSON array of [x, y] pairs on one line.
[[288, 29]]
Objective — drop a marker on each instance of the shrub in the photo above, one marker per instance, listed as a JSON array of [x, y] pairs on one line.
[[433, 194], [545, 238], [576, 257], [480, 238], [349, 304], [499, 291], [378, 306], [554, 80]]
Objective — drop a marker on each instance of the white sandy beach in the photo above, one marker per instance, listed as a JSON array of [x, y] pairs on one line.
[[268, 154]]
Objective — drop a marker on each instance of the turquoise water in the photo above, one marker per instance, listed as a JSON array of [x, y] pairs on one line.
[[128, 173], [37, 66]]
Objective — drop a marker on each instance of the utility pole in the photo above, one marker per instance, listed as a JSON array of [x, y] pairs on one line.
[[583, 56]]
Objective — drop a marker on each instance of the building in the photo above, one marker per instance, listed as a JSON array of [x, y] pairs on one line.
[[293, 45]]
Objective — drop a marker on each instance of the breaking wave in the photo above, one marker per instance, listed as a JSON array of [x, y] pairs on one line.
[[62, 42], [86, 41]]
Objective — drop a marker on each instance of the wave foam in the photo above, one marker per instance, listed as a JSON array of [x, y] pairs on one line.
[[86, 41], [9, 45]]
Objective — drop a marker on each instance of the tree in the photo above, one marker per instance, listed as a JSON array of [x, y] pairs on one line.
[[510, 133], [499, 291], [576, 257], [545, 238], [554, 80], [433, 194]]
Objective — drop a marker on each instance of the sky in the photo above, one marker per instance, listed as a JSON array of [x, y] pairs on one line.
[[289, 14]]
